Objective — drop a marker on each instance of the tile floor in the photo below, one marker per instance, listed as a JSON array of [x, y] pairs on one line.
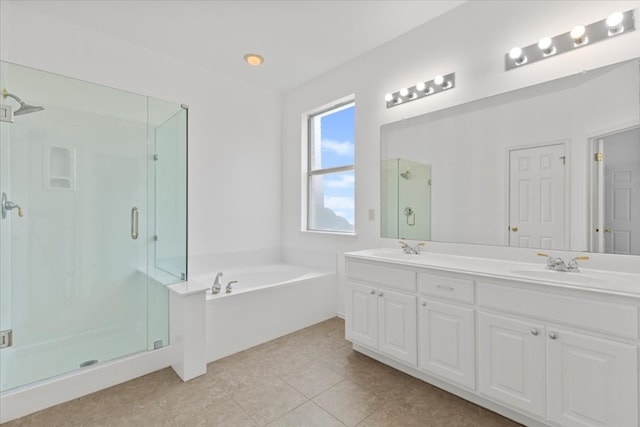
[[309, 378]]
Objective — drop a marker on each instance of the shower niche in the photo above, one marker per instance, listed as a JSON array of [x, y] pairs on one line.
[[98, 177], [59, 168]]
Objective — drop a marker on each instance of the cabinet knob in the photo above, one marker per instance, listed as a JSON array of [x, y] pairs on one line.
[[380, 293], [424, 303], [373, 291], [535, 332], [553, 335]]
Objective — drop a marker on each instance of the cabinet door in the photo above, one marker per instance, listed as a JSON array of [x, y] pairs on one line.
[[397, 325], [446, 341], [362, 323], [591, 381], [511, 362]]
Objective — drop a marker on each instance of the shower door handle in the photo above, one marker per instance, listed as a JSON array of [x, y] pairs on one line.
[[134, 223]]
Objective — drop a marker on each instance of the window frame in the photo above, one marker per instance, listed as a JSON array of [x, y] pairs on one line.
[[308, 172]]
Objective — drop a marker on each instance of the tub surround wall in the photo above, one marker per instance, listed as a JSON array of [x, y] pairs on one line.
[[205, 328], [187, 330], [238, 322]]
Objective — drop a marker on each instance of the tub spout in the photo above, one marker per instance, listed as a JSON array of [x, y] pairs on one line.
[[217, 284], [228, 289]]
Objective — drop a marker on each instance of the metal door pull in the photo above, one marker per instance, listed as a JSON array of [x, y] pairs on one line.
[[134, 223]]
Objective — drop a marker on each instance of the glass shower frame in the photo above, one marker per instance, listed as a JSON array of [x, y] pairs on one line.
[[76, 287]]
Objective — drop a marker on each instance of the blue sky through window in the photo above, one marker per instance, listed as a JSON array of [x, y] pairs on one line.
[[337, 149], [337, 145]]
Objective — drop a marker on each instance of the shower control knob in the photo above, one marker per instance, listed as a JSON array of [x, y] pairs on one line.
[[535, 332], [373, 291], [553, 335], [424, 303], [380, 293]]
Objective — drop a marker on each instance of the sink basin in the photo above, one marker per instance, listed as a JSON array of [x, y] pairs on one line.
[[582, 278], [395, 254]]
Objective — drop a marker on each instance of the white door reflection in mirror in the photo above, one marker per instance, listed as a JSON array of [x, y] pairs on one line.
[[537, 197], [618, 193]]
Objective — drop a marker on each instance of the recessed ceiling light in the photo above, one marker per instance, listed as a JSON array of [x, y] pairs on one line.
[[253, 59]]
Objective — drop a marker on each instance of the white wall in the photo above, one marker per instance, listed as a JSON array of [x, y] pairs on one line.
[[234, 128], [471, 41]]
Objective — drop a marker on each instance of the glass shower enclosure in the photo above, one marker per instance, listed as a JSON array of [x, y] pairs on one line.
[[94, 222]]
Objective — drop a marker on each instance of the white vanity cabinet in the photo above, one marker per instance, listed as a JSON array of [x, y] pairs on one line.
[[511, 362], [591, 381], [446, 334], [542, 367], [379, 314], [541, 353]]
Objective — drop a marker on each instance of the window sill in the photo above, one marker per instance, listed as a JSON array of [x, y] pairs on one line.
[[331, 233]]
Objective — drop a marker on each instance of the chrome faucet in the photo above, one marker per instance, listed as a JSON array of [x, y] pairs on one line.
[[558, 264], [217, 284], [228, 289], [408, 249]]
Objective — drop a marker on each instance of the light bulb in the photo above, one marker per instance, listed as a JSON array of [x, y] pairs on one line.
[[546, 45], [421, 86], [439, 80], [253, 59], [404, 91], [614, 22], [388, 97], [517, 55], [578, 35]]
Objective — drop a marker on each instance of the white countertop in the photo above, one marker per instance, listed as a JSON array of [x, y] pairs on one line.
[[603, 281]]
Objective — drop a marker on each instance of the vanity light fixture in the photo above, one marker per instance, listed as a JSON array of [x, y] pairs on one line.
[[420, 90], [614, 22], [546, 46], [517, 56], [421, 87], [578, 35], [581, 35]]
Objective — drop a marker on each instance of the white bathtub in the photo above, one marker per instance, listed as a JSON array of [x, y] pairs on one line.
[[267, 302], [255, 278]]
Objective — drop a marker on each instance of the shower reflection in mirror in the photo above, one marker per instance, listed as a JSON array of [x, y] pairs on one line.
[[406, 187]]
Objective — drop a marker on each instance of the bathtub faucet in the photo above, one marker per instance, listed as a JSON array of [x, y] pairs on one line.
[[217, 284], [229, 288]]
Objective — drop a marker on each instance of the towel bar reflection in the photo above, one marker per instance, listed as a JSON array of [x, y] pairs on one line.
[[411, 216]]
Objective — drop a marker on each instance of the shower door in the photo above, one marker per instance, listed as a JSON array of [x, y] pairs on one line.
[[73, 288]]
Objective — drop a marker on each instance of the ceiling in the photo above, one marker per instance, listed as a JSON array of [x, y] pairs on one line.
[[299, 39]]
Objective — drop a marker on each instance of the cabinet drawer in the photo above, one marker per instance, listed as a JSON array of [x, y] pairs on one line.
[[388, 277], [451, 288], [602, 316]]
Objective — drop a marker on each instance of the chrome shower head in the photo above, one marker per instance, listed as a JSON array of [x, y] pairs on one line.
[[24, 107]]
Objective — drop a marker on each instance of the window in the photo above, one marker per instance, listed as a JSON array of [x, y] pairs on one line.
[[330, 169]]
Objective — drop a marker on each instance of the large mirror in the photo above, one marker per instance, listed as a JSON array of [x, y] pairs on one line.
[[552, 166]]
